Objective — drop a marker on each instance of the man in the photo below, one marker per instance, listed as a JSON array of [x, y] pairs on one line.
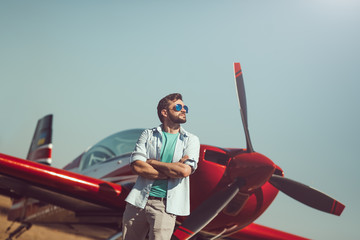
[[164, 157]]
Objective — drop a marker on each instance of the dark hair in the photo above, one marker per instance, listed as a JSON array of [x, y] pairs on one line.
[[164, 103]]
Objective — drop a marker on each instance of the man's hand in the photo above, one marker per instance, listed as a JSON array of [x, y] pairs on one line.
[[184, 158]]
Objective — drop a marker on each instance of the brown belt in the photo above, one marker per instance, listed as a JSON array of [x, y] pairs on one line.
[[157, 198]]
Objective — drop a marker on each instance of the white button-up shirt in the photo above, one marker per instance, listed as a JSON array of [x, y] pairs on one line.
[[178, 192]]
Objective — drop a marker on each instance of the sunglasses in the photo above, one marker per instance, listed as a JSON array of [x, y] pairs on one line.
[[179, 107]]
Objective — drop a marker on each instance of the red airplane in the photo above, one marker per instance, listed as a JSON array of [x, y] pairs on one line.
[[230, 189]]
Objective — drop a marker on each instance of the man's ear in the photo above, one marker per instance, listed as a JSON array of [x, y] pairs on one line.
[[164, 113]]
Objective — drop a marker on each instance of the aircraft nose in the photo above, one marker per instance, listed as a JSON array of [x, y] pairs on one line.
[[254, 168]]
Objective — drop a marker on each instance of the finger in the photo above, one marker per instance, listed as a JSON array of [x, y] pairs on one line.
[[184, 158]]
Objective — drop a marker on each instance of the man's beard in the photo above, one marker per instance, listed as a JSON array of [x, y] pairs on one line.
[[177, 119]]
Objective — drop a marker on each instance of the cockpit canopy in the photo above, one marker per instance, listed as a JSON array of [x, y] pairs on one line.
[[118, 144]]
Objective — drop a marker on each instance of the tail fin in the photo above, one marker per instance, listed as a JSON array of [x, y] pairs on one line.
[[41, 144]]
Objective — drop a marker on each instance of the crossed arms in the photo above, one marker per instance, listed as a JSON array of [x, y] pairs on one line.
[[153, 169]]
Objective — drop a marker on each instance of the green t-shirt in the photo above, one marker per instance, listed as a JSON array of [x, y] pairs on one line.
[[159, 187]]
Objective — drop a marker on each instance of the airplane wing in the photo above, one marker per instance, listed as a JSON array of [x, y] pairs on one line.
[[59, 187], [258, 232]]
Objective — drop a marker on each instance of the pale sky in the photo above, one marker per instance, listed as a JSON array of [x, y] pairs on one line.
[[102, 66]]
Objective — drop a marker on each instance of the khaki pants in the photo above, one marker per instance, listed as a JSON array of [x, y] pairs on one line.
[[153, 219]]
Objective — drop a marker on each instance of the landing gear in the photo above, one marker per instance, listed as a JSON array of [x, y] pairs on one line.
[[18, 231]]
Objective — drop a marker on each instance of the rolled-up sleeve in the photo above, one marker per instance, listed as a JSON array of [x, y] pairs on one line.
[[140, 152], [192, 149]]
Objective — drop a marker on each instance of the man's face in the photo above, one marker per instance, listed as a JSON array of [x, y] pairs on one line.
[[177, 116]]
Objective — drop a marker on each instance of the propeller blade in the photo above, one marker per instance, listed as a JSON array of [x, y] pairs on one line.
[[240, 89], [307, 195], [207, 211]]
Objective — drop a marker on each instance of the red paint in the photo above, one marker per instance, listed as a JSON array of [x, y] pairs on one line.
[[182, 233], [258, 232], [237, 69], [337, 208], [64, 181], [40, 153], [210, 177]]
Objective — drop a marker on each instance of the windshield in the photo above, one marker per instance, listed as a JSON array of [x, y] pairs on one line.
[[115, 145]]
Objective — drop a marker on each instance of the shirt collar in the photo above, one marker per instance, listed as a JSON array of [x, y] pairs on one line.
[[182, 130]]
